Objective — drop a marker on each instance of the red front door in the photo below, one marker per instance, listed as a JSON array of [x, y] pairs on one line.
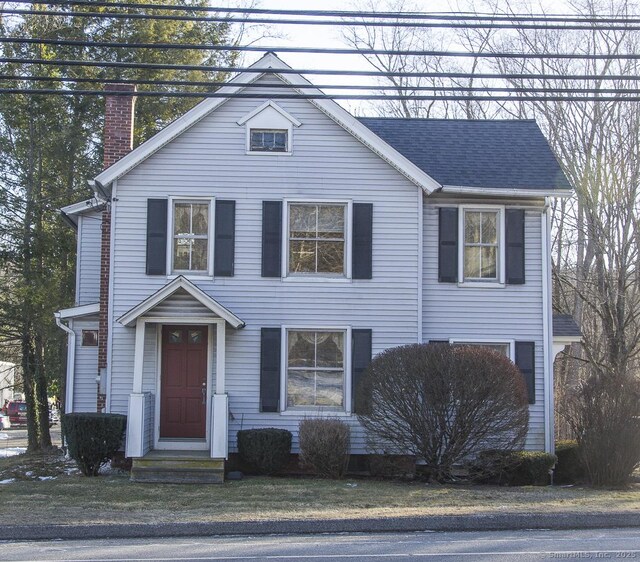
[[183, 408]]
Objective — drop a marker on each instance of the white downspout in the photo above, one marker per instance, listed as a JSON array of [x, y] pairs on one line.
[[71, 363], [547, 330]]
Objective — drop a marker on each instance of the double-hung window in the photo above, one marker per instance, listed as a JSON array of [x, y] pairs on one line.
[[317, 239], [315, 369], [481, 257], [190, 244]]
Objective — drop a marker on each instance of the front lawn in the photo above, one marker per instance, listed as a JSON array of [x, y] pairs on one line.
[[70, 498]]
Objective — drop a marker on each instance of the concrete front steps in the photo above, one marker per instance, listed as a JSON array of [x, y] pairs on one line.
[[178, 467]]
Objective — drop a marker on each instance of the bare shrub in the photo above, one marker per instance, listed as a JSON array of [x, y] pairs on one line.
[[443, 403], [324, 446], [606, 420]]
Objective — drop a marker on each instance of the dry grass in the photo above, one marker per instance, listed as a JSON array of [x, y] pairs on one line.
[[70, 499]]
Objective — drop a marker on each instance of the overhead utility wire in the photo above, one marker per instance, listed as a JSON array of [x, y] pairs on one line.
[[313, 71], [371, 87], [587, 26], [317, 50], [472, 16], [311, 96]]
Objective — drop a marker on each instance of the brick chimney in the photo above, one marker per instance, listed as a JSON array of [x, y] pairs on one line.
[[118, 142]]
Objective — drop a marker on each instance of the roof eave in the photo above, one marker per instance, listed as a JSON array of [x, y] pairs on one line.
[[510, 192]]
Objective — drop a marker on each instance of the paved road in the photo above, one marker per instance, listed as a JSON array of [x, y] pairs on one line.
[[523, 546], [17, 437]]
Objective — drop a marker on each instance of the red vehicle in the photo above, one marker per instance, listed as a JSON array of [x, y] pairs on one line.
[[17, 412]]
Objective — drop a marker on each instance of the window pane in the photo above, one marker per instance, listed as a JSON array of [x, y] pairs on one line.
[[472, 227], [181, 218], [181, 252], [268, 140], [331, 221], [302, 256], [489, 230], [89, 338], [330, 257], [199, 255], [472, 262], [200, 222], [301, 349], [489, 262], [175, 336], [329, 388], [302, 221], [195, 336], [280, 141], [300, 388], [330, 350]]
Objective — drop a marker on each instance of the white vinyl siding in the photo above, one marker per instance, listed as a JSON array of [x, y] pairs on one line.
[[210, 159], [88, 258], [85, 387]]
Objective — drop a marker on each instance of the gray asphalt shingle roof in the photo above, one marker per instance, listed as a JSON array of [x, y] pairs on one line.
[[565, 325], [509, 154]]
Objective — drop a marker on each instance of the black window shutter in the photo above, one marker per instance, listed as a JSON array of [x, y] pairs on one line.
[[448, 245], [361, 258], [225, 237], [360, 360], [514, 235], [271, 238], [526, 362], [270, 369], [157, 236]]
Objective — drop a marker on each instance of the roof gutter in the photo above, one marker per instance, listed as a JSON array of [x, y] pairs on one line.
[[502, 192]]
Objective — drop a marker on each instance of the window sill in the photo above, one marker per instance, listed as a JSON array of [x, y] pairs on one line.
[[481, 284], [319, 413], [267, 153], [314, 279]]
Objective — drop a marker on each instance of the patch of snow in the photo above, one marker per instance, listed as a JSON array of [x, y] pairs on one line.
[[30, 473], [46, 477], [4, 436], [7, 481], [12, 451]]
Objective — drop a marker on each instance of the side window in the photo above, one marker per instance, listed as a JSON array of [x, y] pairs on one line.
[[89, 338], [317, 239], [481, 248], [190, 237]]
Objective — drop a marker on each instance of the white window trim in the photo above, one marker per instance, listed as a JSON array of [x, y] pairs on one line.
[[315, 277], [282, 121], [490, 283], [284, 359], [497, 341], [171, 274]]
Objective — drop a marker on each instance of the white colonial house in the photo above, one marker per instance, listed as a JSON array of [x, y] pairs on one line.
[[240, 268]]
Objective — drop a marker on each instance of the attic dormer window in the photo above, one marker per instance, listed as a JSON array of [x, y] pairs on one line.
[[268, 140], [269, 129]]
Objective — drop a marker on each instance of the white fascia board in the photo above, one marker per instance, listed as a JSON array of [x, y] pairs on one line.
[[77, 311], [171, 131], [566, 340], [505, 192], [181, 282], [83, 206], [274, 106]]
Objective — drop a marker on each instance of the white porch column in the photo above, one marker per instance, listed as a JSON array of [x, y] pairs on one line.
[[139, 356], [220, 357], [219, 427]]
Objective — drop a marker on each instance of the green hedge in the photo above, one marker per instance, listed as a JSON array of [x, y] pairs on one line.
[[93, 438], [515, 468], [265, 450], [570, 468]]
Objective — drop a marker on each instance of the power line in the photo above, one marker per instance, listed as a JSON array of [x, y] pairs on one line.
[[586, 26], [604, 18], [372, 87], [317, 50], [313, 96], [313, 71]]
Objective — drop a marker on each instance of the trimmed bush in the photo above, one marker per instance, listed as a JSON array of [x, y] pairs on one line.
[[324, 446], [265, 450], [93, 438], [515, 468], [570, 467]]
